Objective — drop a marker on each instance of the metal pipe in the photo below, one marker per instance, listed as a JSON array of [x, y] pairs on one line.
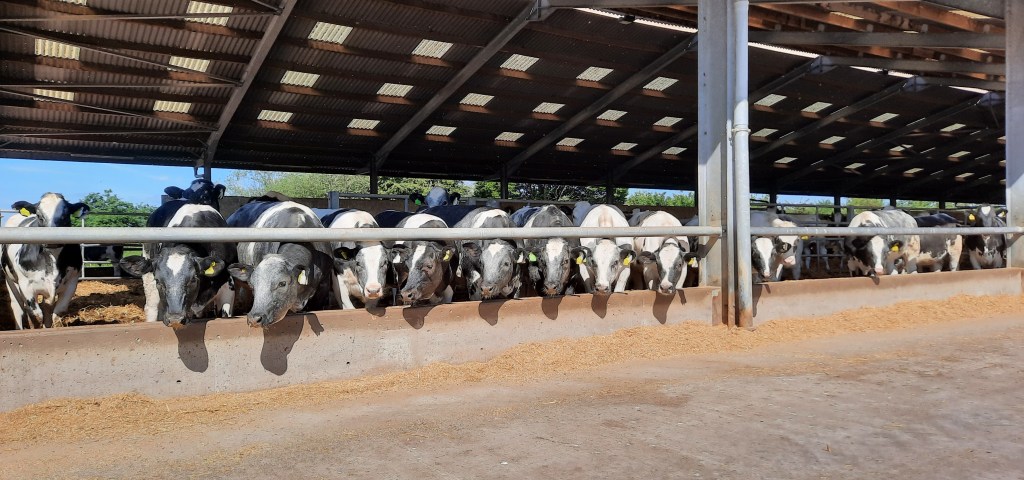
[[193, 235], [872, 231], [741, 168]]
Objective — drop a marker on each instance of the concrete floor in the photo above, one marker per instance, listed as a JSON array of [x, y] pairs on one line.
[[928, 403]]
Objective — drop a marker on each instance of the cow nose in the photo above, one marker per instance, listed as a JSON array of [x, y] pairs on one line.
[[666, 288], [373, 291], [550, 289], [879, 271], [175, 319], [486, 290], [602, 289], [256, 320], [408, 295]]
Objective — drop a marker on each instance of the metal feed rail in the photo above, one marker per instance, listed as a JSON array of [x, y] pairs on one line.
[[871, 231], [175, 234]]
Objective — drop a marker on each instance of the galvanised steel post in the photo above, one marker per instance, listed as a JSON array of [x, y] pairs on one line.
[[1015, 126], [741, 168]]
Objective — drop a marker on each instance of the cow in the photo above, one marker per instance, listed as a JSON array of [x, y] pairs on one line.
[[662, 262], [875, 255], [770, 255], [42, 279], [424, 268], [183, 281], [360, 268], [604, 262], [436, 197], [580, 211], [491, 267], [110, 253], [391, 218], [552, 269], [284, 276], [986, 251], [939, 252], [200, 192]]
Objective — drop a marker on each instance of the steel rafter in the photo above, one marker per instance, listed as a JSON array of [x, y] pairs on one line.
[[614, 94], [650, 153], [883, 39], [887, 138], [100, 109], [890, 91], [929, 66], [460, 78], [130, 16], [248, 76]]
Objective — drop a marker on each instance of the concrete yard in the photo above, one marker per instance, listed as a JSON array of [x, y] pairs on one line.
[[930, 401]]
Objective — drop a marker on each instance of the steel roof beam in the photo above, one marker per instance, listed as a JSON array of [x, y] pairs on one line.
[[130, 16], [967, 83], [992, 178], [883, 39], [650, 153], [815, 66], [887, 138], [468, 70], [100, 109], [920, 65], [990, 8], [104, 132], [660, 3], [955, 168], [890, 91], [614, 94], [248, 76], [64, 86]]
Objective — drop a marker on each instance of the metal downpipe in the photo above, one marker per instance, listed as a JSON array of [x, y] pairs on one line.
[[741, 168]]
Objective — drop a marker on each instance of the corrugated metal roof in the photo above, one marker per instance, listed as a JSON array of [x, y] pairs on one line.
[[379, 50]]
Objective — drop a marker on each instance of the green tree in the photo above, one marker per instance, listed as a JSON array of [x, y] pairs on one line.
[[537, 191], [248, 183], [660, 199], [109, 203]]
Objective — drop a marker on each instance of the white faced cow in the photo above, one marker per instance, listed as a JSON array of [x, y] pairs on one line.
[[182, 281], [604, 262], [360, 268], [436, 197], [492, 266], [875, 255], [42, 278], [552, 266], [772, 254], [424, 270], [662, 262], [986, 251], [284, 276], [200, 192]]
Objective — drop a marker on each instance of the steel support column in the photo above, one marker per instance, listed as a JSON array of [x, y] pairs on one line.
[[715, 60], [1015, 126], [741, 167]]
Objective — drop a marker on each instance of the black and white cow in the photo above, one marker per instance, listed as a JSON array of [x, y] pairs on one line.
[[391, 218], [875, 255], [200, 192], [436, 197], [662, 262], [424, 269], [552, 266], [939, 252], [986, 251], [110, 253], [360, 268], [184, 280], [42, 279], [770, 255], [604, 262], [491, 267], [284, 276]]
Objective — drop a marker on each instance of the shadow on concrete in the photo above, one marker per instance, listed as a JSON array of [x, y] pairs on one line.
[[488, 310], [549, 305], [192, 346], [662, 303], [278, 340], [416, 316], [599, 304], [756, 291]]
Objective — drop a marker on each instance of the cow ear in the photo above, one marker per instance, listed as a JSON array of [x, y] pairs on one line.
[[345, 253], [471, 249], [1002, 213], [447, 253], [532, 255], [895, 246], [240, 271], [646, 258], [454, 198], [521, 256], [24, 208], [136, 265], [971, 217], [399, 253], [691, 259], [81, 208], [627, 255], [210, 266], [581, 254], [301, 275], [218, 191], [173, 191], [417, 199]]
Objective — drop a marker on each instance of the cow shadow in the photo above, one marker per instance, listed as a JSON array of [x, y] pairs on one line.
[[488, 310], [662, 303], [416, 316], [549, 306], [599, 304], [192, 346], [279, 340], [756, 291]]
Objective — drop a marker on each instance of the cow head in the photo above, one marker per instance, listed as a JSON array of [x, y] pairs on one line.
[[368, 262], [986, 250], [439, 197], [179, 273], [871, 256], [666, 268], [52, 210], [201, 192], [275, 284], [428, 265], [552, 266], [606, 263], [492, 266]]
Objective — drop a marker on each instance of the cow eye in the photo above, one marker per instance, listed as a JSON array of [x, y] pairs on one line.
[[281, 284]]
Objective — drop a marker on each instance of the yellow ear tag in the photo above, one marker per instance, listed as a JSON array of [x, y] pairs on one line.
[[209, 270], [693, 262], [25, 212], [805, 237], [625, 261], [895, 248], [302, 278], [579, 260], [971, 217], [344, 255], [533, 257], [447, 256]]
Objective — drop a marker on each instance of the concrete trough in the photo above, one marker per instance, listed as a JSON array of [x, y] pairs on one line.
[[229, 356]]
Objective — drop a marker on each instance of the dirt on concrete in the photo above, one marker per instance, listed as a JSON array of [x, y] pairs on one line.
[[917, 390]]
